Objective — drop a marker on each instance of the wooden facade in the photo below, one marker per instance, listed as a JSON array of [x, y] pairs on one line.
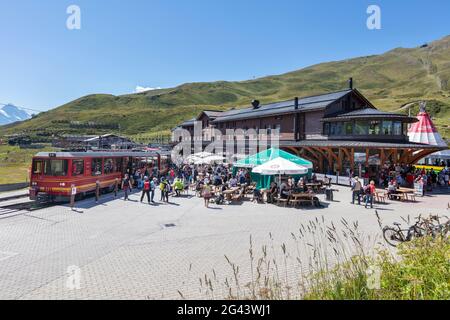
[[338, 132]]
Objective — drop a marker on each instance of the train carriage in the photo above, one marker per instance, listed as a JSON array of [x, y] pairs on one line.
[[54, 174]]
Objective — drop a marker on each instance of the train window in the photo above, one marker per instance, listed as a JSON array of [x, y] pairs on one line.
[[96, 167], [77, 167], [56, 167], [108, 166], [37, 166], [119, 165]]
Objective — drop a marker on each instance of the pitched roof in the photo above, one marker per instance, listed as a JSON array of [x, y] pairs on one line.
[[188, 122], [424, 131], [305, 104]]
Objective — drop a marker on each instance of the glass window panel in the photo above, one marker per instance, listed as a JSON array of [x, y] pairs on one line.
[[57, 168], [374, 128], [37, 166], [386, 128], [77, 167], [348, 128], [397, 128], [96, 167], [108, 166], [361, 127]]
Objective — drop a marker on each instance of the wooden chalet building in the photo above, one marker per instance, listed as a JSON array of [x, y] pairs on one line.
[[338, 131]]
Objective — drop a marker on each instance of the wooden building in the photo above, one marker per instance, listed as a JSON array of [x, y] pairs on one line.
[[338, 131]]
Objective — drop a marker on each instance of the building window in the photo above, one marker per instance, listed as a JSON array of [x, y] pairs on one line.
[[361, 128], [96, 167], [386, 128], [348, 128], [397, 128], [405, 129], [326, 129], [77, 167], [374, 127]]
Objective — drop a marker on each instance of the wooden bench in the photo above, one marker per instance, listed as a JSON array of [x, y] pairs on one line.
[[281, 200]]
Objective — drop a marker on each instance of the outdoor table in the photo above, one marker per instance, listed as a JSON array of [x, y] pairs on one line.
[[229, 193], [315, 186], [303, 197], [401, 194]]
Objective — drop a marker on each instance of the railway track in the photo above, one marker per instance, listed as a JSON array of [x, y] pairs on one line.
[[17, 196], [11, 210]]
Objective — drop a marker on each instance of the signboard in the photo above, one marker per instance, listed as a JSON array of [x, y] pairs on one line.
[[360, 157], [74, 191], [418, 189]]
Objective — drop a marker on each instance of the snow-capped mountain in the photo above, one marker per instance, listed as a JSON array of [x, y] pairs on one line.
[[10, 113]]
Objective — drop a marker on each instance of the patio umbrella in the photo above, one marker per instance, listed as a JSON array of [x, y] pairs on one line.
[[280, 166]]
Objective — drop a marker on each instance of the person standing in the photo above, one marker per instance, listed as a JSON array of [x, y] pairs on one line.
[[153, 185], [207, 193], [370, 192], [126, 185], [356, 190], [146, 189]]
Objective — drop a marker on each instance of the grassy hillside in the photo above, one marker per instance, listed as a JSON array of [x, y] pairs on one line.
[[398, 78]]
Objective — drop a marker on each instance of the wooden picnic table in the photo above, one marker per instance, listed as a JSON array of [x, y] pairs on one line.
[[402, 194], [229, 193], [302, 197]]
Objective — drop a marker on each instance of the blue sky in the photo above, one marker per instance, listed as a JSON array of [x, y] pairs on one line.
[[163, 43]]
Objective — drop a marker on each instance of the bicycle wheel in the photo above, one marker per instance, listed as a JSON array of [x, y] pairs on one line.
[[392, 236]]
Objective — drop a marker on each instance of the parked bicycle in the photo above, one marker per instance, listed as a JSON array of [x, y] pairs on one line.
[[422, 227]]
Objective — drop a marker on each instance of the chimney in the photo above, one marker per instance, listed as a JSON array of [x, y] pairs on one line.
[[255, 104], [296, 103], [350, 83]]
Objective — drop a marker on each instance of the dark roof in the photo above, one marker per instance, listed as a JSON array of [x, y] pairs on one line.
[[212, 113], [188, 123], [305, 104], [370, 113], [357, 144], [97, 154]]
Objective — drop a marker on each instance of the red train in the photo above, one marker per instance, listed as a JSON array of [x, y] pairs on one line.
[[54, 174]]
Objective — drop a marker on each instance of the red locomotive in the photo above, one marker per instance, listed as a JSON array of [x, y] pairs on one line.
[[53, 175]]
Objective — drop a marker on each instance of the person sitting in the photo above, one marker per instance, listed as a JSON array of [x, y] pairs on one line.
[[233, 182], [284, 191], [257, 196], [391, 190], [272, 192]]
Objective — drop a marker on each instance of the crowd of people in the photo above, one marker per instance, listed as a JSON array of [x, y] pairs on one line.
[[205, 179], [394, 177], [208, 178]]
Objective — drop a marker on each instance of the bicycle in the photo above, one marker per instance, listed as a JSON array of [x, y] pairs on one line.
[[394, 236]]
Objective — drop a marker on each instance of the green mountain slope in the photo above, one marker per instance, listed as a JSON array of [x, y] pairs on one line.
[[393, 80]]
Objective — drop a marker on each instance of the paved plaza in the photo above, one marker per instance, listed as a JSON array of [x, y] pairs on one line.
[[132, 250]]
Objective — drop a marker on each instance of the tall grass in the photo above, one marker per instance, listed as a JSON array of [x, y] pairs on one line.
[[325, 261]]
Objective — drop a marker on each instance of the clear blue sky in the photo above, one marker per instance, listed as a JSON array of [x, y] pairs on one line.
[[163, 43]]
